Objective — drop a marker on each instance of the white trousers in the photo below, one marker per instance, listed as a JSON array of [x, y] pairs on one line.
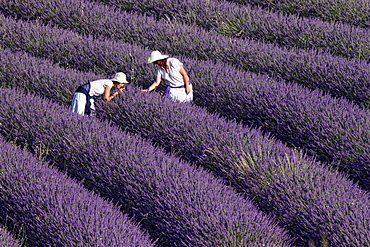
[[179, 94], [79, 103]]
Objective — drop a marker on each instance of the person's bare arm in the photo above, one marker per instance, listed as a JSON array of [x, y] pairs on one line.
[[153, 86], [186, 80], [107, 96]]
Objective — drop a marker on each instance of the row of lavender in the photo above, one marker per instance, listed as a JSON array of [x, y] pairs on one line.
[[325, 202], [355, 12], [46, 208], [175, 202], [333, 130], [338, 76], [244, 21]]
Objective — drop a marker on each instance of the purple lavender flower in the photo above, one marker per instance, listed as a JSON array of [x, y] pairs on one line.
[[353, 12], [311, 68], [246, 21], [246, 168], [295, 115], [179, 204], [259, 166], [50, 209]]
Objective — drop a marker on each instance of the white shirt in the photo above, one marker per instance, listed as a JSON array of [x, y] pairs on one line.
[[97, 87], [173, 78]]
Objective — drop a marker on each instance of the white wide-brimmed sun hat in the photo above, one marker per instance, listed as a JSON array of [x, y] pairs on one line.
[[155, 56], [120, 77]]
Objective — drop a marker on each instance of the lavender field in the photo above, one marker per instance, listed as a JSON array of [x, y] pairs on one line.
[[274, 150]]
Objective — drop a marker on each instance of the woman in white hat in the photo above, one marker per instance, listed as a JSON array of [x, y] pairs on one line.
[[171, 70], [83, 98]]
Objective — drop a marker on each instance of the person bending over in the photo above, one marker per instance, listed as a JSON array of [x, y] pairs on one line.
[[83, 98]]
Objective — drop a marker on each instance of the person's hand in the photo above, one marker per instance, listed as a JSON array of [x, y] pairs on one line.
[[119, 91], [187, 90], [145, 90]]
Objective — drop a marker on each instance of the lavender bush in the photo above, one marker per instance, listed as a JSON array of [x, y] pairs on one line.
[[270, 173], [179, 204], [54, 210], [276, 174], [336, 75], [353, 12], [7, 240], [250, 22], [246, 164], [333, 130], [281, 181]]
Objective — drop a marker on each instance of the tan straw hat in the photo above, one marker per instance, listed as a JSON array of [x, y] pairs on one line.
[[120, 77], [155, 56]]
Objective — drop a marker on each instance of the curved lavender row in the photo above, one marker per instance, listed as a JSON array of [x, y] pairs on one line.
[[335, 75], [54, 210], [353, 12], [7, 240], [246, 22], [277, 174], [281, 181], [177, 203], [335, 130]]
